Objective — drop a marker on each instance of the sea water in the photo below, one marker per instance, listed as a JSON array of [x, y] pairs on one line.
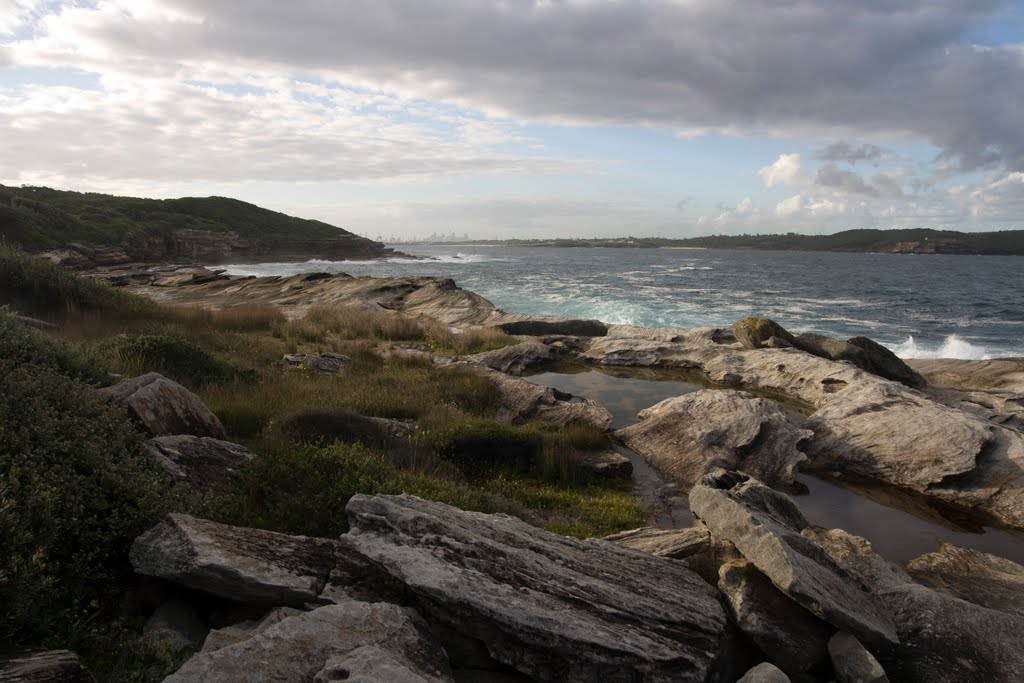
[[920, 306]]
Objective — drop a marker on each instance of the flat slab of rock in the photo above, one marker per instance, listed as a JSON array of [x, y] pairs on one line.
[[522, 401], [609, 464], [555, 608], [687, 436], [200, 461], [974, 576], [765, 527], [356, 641], [163, 407], [512, 360], [789, 636], [249, 566], [43, 666], [674, 543]]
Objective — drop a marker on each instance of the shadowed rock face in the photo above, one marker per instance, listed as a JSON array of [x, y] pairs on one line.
[[352, 640], [765, 527], [248, 566], [688, 436], [553, 607], [163, 407], [201, 462], [977, 577]]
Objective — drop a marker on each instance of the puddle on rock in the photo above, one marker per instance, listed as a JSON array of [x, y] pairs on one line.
[[900, 525]]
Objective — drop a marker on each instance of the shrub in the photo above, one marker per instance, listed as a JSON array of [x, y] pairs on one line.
[[177, 358], [321, 425], [38, 287], [23, 345], [483, 446], [75, 491]]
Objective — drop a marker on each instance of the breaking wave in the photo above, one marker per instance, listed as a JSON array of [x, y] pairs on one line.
[[951, 347]]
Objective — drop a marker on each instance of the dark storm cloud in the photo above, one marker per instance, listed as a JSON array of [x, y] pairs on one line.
[[843, 151], [842, 68]]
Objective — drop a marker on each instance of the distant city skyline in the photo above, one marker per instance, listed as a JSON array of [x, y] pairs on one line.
[[530, 118]]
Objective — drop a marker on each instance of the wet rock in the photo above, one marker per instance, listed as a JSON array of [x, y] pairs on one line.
[[790, 636], [765, 527], [764, 673], [977, 577], [174, 628], [607, 464], [164, 407], [686, 437], [674, 543], [200, 461], [523, 401], [852, 662], [41, 666], [568, 327], [754, 333], [552, 607], [248, 566], [881, 361], [512, 360], [352, 641]]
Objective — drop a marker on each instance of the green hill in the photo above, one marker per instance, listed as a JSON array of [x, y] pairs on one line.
[[40, 218]]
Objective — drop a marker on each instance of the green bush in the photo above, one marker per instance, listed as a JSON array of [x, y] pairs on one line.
[[75, 491], [174, 357], [23, 345], [480, 446], [323, 425], [37, 287]]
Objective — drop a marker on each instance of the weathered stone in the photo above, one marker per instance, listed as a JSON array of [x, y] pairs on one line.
[[764, 673], [552, 607], [754, 333], [174, 628], [570, 327], [974, 576], [855, 555], [200, 461], [523, 401], [765, 526], [880, 361], [243, 565], [42, 666], [236, 633], [852, 662], [353, 641], [164, 407], [329, 363], [829, 347], [789, 636], [609, 464], [948, 640], [512, 360], [687, 436], [674, 543]]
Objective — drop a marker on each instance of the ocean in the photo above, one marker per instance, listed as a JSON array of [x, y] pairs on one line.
[[919, 306]]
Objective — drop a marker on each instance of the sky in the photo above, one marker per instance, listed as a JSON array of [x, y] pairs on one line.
[[530, 118]]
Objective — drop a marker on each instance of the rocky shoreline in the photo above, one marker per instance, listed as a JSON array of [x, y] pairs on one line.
[[752, 591]]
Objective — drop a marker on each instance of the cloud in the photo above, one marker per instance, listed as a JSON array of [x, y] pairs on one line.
[[786, 170], [1000, 198], [873, 70], [843, 151]]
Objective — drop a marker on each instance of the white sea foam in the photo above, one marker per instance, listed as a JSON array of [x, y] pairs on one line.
[[951, 347]]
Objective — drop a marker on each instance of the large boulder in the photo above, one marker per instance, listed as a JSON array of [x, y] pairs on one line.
[[789, 636], [765, 527], [687, 436], [355, 641], [852, 662], [513, 360], [163, 407], [554, 608], [764, 673], [200, 461], [248, 566], [829, 347], [987, 580], [756, 333], [881, 361]]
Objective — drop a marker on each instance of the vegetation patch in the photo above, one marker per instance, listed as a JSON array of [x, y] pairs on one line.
[[174, 357], [21, 345]]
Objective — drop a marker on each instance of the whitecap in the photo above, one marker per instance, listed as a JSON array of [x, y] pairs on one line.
[[951, 347]]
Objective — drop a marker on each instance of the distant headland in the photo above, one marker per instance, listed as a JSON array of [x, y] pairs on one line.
[[87, 228], [911, 241]]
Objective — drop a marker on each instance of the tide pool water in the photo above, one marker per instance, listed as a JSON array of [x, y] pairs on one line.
[[919, 306]]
